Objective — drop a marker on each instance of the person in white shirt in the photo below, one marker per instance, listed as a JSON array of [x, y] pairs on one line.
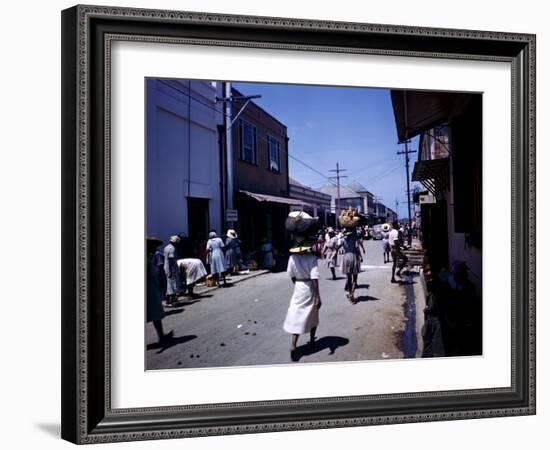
[[395, 239], [303, 311], [386, 249]]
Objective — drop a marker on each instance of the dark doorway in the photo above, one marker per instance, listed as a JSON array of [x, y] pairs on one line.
[[198, 217]]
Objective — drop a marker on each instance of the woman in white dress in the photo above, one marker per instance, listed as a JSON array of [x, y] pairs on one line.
[[303, 312]]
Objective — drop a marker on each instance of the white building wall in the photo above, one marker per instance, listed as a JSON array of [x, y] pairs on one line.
[[182, 151]]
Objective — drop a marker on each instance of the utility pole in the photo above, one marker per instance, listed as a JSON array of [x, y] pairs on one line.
[[229, 121], [338, 170], [228, 144], [406, 152]]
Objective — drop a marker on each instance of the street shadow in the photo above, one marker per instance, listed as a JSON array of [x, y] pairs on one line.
[[173, 311], [336, 279], [190, 301], [162, 346], [330, 342], [365, 298], [363, 286]]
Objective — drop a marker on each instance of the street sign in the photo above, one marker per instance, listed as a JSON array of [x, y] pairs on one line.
[[426, 199], [231, 215]]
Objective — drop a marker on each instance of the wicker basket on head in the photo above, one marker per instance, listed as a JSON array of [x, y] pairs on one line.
[[301, 223], [303, 227], [349, 218]]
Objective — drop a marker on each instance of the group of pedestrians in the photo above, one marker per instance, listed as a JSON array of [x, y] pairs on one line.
[[345, 243], [303, 312], [173, 270], [180, 273]]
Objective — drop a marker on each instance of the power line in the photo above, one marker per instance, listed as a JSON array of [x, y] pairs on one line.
[[328, 179], [406, 152], [383, 175], [338, 170], [181, 91], [372, 164]]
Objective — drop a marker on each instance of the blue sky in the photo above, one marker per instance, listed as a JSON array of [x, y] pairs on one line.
[[352, 126]]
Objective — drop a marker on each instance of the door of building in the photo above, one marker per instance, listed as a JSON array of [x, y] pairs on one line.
[[198, 218]]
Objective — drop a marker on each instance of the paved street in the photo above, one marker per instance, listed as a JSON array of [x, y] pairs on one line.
[[242, 324]]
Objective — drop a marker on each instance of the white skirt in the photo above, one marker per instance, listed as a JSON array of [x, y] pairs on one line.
[[302, 315]]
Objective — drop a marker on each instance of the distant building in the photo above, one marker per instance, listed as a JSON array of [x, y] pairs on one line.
[[316, 203], [380, 212], [391, 215], [368, 200], [183, 171], [348, 198]]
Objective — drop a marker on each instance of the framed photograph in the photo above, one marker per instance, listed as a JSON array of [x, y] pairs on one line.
[[284, 224]]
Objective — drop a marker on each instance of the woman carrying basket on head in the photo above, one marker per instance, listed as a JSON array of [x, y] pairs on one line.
[[303, 312], [351, 244]]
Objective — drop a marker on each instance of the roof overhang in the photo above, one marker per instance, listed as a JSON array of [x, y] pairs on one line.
[[418, 111], [274, 199], [433, 174]]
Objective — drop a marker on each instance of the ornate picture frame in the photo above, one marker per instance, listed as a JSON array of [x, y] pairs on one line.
[[87, 35]]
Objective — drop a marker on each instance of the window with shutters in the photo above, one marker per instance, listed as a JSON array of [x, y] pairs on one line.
[[273, 154], [248, 150]]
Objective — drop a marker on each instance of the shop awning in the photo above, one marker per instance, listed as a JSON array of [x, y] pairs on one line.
[[433, 174], [275, 199], [417, 111]]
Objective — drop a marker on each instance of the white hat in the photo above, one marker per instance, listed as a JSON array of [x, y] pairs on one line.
[[174, 239], [232, 234]]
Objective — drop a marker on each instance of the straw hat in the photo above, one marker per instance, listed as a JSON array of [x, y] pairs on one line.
[[174, 239], [232, 234], [349, 218], [302, 245], [386, 227]]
